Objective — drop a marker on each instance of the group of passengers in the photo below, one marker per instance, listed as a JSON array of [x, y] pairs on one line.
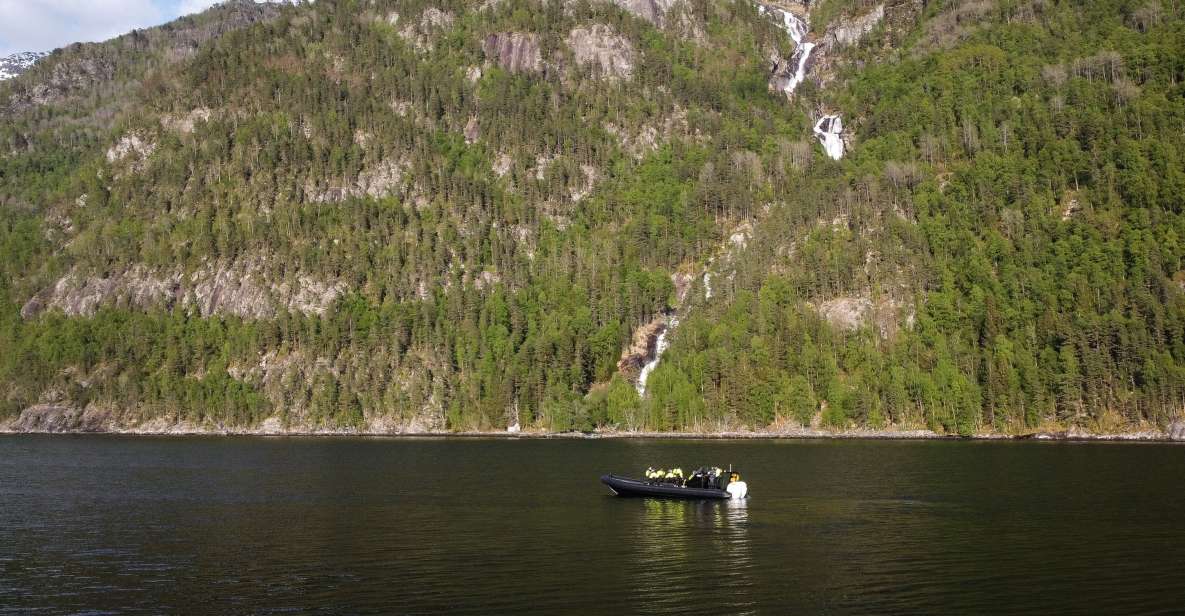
[[701, 478], [674, 475]]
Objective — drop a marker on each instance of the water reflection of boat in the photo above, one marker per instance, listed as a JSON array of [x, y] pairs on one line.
[[704, 483], [672, 538]]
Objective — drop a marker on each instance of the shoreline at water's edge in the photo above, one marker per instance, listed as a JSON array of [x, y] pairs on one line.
[[1129, 437]]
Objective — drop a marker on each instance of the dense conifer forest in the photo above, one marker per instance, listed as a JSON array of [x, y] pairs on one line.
[[389, 215]]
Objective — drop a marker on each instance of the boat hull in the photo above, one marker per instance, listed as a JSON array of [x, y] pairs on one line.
[[625, 486]]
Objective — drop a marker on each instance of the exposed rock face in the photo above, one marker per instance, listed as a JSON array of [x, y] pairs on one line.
[[79, 68], [1176, 430], [502, 164], [610, 55], [671, 15], [435, 18], [422, 33], [517, 52], [184, 123], [242, 289], [246, 292], [886, 315], [844, 32], [653, 11], [642, 348], [382, 179], [849, 31], [65, 78], [847, 313], [649, 137], [132, 144], [472, 130], [62, 418], [78, 295]]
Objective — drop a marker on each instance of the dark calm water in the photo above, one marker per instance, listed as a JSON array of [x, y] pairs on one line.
[[243, 525]]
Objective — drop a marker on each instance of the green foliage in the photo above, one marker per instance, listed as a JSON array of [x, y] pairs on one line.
[[1011, 210]]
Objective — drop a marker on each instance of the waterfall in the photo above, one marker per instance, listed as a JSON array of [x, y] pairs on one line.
[[803, 53], [707, 285], [829, 127], [790, 23], [828, 130], [660, 346], [797, 30]]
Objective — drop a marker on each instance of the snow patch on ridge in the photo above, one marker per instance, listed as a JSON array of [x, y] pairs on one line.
[[18, 63]]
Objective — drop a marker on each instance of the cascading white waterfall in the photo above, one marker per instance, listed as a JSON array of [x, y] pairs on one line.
[[660, 346], [790, 22], [797, 30], [803, 54], [829, 128]]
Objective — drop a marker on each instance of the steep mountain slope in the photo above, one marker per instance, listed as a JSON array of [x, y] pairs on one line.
[[411, 215]]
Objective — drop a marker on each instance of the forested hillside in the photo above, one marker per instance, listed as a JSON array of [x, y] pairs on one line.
[[408, 215]]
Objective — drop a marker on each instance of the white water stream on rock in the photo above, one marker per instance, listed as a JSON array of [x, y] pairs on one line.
[[828, 130], [660, 346], [797, 30]]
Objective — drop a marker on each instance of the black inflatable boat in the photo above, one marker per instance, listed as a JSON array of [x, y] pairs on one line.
[[722, 489]]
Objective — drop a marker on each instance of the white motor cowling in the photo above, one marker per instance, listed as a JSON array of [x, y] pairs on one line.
[[738, 489]]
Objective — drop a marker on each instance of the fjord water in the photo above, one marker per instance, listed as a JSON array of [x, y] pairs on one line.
[[237, 525]]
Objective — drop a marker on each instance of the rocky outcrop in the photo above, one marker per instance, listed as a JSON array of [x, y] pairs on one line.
[[472, 130], [134, 145], [243, 289], [850, 30], [58, 417], [422, 33], [517, 52], [1176, 430], [249, 293], [78, 295], [641, 349], [610, 55], [674, 16], [886, 315], [184, 123], [649, 137], [80, 68], [381, 179], [653, 11], [62, 80]]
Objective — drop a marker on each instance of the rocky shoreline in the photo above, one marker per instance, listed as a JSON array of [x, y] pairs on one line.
[[187, 430], [64, 419]]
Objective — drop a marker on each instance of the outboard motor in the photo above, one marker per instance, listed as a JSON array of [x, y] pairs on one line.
[[736, 488]]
